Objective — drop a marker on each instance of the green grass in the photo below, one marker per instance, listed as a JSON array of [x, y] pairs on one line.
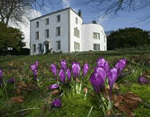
[[35, 104]]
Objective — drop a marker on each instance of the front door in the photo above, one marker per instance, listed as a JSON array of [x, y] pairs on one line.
[[47, 47]]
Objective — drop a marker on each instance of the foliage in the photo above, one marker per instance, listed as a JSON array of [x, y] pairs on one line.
[[37, 100], [10, 37], [128, 37]]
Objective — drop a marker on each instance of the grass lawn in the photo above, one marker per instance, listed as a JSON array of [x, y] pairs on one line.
[[35, 98]]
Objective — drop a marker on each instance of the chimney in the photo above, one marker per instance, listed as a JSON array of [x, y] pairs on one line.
[[79, 13], [94, 22]]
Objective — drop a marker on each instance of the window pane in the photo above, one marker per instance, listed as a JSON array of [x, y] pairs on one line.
[[58, 18], [94, 46], [98, 46], [98, 36]]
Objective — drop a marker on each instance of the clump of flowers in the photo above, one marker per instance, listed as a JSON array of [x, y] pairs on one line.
[[34, 69], [65, 72], [101, 71], [102, 75], [12, 80], [142, 80]]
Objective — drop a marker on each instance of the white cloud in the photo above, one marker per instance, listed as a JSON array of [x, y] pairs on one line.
[[25, 28], [65, 3]]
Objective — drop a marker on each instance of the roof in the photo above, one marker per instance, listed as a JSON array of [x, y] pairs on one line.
[[55, 12]]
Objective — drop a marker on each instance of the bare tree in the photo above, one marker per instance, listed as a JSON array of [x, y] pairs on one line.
[[112, 7], [16, 9]]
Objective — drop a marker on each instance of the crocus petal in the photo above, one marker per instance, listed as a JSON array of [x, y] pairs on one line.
[[121, 64], [101, 71], [76, 69], [69, 74], [33, 67], [97, 81], [53, 86], [142, 80], [106, 66], [112, 76], [12, 80], [56, 103], [85, 69], [54, 69], [62, 75], [36, 63], [100, 61], [63, 65], [35, 71]]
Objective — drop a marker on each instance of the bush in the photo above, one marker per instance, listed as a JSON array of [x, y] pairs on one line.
[[53, 52], [60, 52]]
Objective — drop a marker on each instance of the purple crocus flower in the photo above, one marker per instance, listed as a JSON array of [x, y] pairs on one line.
[[33, 67], [97, 81], [100, 61], [85, 69], [12, 80], [106, 66], [101, 71], [121, 64], [62, 75], [36, 63], [112, 77], [56, 103], [53, 86], [63, 65], [76, 69], [54, 70], [1, 74], [69, 74], [142, 80], [35, 72]]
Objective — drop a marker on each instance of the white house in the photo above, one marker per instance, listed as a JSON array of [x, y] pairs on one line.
[[65, 31]]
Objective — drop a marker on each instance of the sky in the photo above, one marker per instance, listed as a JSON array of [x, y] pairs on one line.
[[123, 20]]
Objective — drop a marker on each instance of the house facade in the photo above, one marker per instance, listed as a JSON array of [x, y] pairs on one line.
[[65, 31]]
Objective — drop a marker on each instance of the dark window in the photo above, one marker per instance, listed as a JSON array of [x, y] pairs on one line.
[[58, 18], [34, 47], [37, 35], [47, 21], [40, 47], [47, 33], [58, 31], [96, 47], [37, 24], [76, 20], [58, 45]]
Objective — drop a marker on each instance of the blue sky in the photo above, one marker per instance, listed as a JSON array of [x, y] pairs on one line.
[[123, 20]]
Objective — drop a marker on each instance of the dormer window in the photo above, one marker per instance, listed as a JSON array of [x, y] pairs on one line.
[[37, 24], [58, 18]]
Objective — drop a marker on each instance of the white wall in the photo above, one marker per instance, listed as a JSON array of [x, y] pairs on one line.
[[87, 36], [73, 25], [52, 31]]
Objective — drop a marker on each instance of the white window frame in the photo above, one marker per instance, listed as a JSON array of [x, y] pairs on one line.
[[37, 24], [47, 21], [47, 33], [37, 36], [58, 18], [76, 20], [57, 45], [58, 31]]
